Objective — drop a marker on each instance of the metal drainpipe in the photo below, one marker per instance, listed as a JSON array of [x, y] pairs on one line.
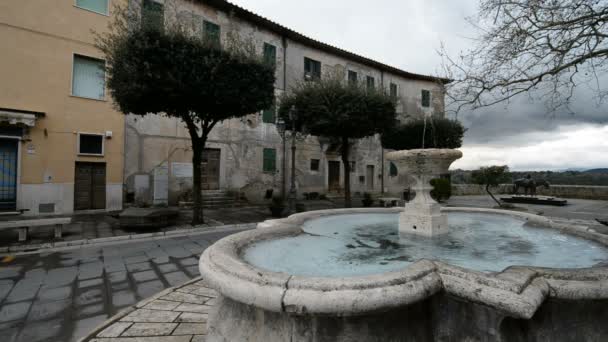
[[382, 168], [284, 187]]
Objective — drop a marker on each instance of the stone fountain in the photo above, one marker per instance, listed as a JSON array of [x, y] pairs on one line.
[[395, 274], [423, 215]]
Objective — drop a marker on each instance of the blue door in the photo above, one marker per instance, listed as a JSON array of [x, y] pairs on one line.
[[8, 174]]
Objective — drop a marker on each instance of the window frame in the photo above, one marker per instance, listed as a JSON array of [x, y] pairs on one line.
[[393, 167], [103, 144], [274, 49], [158, 2], [272, 108], [370, 82], [422, 102], [391, 87], [318, 162], [206, 25], [312, 74], [355, 79], [105, 66], [107, 14], [264, 160]]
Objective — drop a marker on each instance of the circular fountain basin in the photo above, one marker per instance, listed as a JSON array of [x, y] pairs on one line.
[[328, 275]]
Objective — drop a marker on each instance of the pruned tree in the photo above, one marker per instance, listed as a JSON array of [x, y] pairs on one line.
[[168, 67], [333, 108], [548, 46], [490, 177]]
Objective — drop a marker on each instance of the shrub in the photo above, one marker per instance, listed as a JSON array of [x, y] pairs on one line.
[[442, 189], [439, 133]]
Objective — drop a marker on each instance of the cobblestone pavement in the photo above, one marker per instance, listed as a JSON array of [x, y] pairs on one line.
[[176, 315], [62, 296]]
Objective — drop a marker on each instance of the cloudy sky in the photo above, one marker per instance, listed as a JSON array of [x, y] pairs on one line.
[[407, 34]]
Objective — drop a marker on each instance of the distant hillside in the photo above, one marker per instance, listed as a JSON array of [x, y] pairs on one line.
[[589, 177]]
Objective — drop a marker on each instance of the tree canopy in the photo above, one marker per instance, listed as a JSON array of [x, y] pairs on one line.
[[548, 46], [491, 176], [333, 108], [165, 67], [433, 132]]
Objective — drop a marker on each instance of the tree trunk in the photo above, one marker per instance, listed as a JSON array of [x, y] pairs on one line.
[[491, 195], [198, 145], [345, 152]]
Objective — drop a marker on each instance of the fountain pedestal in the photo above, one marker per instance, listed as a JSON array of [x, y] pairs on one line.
[[423, 215]]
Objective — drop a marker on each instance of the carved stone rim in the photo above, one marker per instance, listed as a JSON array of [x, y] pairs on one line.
[[517, 291], [446, 153]]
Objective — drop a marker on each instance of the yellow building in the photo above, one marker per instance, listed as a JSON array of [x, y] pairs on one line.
[[61, 140]]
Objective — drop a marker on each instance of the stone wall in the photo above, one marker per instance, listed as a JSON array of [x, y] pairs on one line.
[[566, 191]]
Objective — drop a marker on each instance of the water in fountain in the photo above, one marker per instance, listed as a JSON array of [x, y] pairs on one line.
[[364, 244]]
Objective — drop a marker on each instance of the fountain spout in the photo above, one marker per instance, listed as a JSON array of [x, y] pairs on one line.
[[423, 215]]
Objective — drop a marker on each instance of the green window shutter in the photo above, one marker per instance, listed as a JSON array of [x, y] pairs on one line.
[[370, 82], [393, 90], [352, 77], [212, 33], [98, 6], [270, 160], [393, 170], [88, 77], [312, 68], [268, 115], [426, 98], [152, 15], [270, 54]]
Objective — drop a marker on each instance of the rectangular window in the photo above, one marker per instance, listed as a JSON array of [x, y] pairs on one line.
[[268, 115], [352, 166], [97, 6], [393, 90], [393, 170], [352, 77], [314, 165], [270, 160], [89, 77], [312, 69], [426, 98], [90, 144], [152, 15], [371, 82], [211, 33], [270, 54]]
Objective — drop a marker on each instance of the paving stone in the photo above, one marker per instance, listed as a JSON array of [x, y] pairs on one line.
[[46, 310], [160, 304], [114, 330], [42, 330], [192, 317], [193, 270], [115, 267], [189, 261], [185, 297], [147, 289], [90, 283], [23, 290], [198, 338], [88, 310], [5, 287], [136, 259], [54, 294], [61, 276], [117, 277], [144, 276], [183, 338], [142, 266], [89, 297], [193, 308], [90, 270], [150, 329], [121, 286], [84, 326], [10, 312], [10, 271], [151, 316], [123, 298], [190, 329], [205, 291], [35, 275], [166, 268], [176, 278]]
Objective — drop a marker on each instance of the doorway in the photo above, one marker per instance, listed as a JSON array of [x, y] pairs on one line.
[[370, 177], [8, 174], [90, 186], [210, 172], [333, 175]]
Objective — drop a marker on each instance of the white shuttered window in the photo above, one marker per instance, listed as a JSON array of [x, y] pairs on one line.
[[99, 6], [88, 78]]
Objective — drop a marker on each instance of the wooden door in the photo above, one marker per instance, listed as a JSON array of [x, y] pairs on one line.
[[90, 186], [210, 172], [333, 174], [370, 177], [8, 174]]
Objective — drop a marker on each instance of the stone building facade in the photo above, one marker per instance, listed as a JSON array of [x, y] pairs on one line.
[[248, 154]]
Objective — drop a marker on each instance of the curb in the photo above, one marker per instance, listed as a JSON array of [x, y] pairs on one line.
[[64, 245], [132, 308]]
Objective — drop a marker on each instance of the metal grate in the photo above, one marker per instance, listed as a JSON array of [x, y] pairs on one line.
[[8, 174]]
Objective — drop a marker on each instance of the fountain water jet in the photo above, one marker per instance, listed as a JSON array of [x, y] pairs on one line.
[[423, 215]]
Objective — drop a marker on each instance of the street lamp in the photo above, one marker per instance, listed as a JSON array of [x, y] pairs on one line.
[[282, 129]]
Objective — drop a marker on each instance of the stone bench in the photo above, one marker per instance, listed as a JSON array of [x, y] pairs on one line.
[[25, 225]]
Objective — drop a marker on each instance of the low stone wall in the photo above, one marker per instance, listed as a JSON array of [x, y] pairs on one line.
[[566, 191]]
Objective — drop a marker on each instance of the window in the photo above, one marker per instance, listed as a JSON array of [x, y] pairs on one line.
[[352, 166], [371, 82], [270, 160], [268, 115], [97, 6], [314, 164], [393, 170], [88, 77], [90, 144], [352, 77], [426, 98], [312, 68], [270, 54], [211, 32], [393, 90], [152, 15]]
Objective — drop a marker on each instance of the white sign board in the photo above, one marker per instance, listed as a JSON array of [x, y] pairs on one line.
[[161, 184], [181, 170]]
